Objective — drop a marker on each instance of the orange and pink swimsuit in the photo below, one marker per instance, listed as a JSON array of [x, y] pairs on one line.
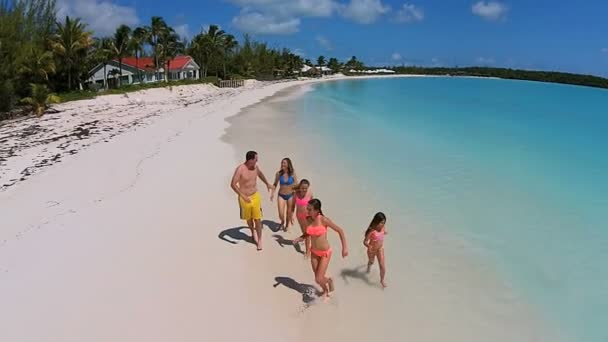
[[318, 231], [301, 203], [377, 235]]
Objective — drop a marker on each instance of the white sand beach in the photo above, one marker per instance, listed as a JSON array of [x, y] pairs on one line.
[[118, 224]]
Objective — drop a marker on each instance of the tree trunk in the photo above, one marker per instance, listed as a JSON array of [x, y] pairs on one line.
[[69, 78], [137, 65], [120, 71], [167, 71], [105, 77]]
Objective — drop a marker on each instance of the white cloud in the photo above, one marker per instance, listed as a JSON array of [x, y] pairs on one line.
[[101, 16], [490, 10], [290, 8], [284, 16], [183, 31], [258, 23], [278, 16], [396, 56], [436, 62], [605, 50], [409, 13], [364, 11], [485, 61], [299, 52], [325, 43]]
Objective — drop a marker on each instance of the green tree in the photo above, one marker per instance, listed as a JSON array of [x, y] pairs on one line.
[[25, 27], [38, 64], [229, 43], [321, 61], [121, 44], [40, 99], [334, 65], [171, 47], [138, 39], [70, 45], [103, 55], [156, 30]]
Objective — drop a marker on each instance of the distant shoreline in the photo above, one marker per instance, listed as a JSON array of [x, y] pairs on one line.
[[510, 74]]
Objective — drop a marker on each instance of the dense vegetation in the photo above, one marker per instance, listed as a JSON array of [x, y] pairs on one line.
[[542, 76], [41, 55]]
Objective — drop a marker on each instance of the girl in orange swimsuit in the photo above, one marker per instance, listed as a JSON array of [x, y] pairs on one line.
[[302, 196], [320, 248], [374, 241]]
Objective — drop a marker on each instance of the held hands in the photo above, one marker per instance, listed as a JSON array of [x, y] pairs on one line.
[[344, 252], [246, 199]]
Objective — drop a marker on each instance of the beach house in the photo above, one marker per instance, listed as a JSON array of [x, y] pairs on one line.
[[315, 71], [142, 70]]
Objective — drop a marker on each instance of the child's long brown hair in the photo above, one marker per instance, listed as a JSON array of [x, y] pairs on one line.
[[379, 217]]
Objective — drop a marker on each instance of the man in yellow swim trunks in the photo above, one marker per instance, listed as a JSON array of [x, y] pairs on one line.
[[244, 183]]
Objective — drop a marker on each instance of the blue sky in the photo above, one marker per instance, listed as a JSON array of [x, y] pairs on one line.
[[541, 34]]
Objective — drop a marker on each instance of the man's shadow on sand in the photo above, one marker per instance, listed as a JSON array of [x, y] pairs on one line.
[[309, 292], [243, 233], [359, 273]]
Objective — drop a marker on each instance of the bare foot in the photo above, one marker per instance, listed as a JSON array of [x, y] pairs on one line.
[[383, 284], [369, 267], [259, 246], [330, 284]]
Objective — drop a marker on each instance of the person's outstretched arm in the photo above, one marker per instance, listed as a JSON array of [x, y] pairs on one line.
[[263, 178], [340, 232], [274, 186]]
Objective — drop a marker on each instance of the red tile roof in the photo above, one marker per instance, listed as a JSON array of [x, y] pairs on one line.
[[147, 63]]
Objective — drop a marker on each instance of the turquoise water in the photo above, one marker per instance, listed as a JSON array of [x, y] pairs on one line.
[[517, 169]]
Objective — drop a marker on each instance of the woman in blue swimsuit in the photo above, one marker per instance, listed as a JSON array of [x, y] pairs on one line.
[[287, 179]]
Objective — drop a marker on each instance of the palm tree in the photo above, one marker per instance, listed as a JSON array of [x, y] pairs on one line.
[[172, 47], [333, 64], [104, 54], [70, 44], [157, 28], [139, 37], [120, 46], [321, 61], [209, 44], [229, 43], [38, 64], [41, 98]]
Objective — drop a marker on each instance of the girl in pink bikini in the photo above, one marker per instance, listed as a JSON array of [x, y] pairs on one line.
[[319, 245], [374, 241], [303, 195]]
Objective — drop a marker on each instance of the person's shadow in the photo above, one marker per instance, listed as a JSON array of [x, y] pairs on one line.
[[308, 292], [359, 273], [274, 226], [285, 242], [236, 234]]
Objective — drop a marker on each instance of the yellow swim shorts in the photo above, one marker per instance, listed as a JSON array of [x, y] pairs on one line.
[[251, 210]]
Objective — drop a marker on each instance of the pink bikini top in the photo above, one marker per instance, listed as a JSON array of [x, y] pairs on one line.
[[302, 202], [316, 230], [377, 236]]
